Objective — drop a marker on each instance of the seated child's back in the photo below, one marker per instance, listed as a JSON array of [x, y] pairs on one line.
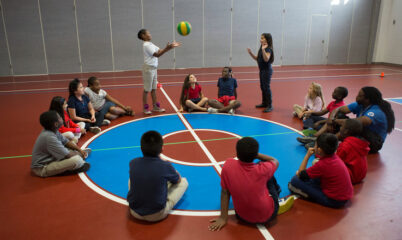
[[353, 150]]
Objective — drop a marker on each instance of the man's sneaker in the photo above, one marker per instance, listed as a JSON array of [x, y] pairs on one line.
[[95, 130], [157, 108], [286, 205], [295, 114], [231, 111], [212, 110], [297, 191], [306, 140], [146, 109], [105, 122]]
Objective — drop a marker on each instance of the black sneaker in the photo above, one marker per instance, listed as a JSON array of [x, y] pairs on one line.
[[262, 105], [84, 168], [268, 109]]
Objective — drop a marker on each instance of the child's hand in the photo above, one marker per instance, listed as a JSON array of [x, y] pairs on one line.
[[249, 51], [217, 224], [181, 109], [264, 46], [93, 119], [310, 151], [83, 154], [83, 131]]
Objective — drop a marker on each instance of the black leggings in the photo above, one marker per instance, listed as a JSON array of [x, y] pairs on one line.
[[265, 85]]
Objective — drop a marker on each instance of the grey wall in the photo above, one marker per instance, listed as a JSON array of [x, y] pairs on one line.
[[70, 36]]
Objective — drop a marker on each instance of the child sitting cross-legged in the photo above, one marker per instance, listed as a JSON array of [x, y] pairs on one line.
[[327, 182], [154, 185]]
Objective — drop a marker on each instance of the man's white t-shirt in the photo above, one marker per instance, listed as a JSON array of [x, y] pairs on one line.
[[97, 100], [149, 50]]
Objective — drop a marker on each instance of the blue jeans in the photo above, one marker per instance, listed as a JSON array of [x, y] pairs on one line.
[[312, 189], [309, 122]]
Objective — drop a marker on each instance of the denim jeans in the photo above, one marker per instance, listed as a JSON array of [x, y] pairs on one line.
[[312, 189]]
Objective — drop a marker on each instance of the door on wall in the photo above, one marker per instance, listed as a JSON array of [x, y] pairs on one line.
[[318, 43]]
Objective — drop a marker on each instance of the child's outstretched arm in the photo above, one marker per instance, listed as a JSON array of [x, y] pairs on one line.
[[303, 165], [115, 101], [218, 223], [169, 46]]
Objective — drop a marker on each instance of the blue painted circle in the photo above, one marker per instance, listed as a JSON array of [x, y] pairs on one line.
[[114, 149]]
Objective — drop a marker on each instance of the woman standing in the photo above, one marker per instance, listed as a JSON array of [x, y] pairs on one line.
[[265, 58]]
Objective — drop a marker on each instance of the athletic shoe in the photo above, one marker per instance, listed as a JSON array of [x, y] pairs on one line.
[[146, 109], [306, 140], [268, 109], [231, 111], [84, 168], [309, 132], [286, 205], [294, 114], [95, 130], [212, 110], [88, 151], [262, 105], [157, 108], [105, 122], [297, 191]]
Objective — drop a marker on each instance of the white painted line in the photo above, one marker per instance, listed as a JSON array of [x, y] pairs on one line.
[[398, 129], [203, 147], [264, 231], [164, 157], [390, 100]]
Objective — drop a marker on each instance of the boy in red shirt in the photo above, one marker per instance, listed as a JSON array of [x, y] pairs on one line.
[[353, 150], [252, 186], [327, 182]]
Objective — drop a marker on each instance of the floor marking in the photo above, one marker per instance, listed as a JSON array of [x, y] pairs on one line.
[[264, 231], [208, 81], [182, 74], [188, 126], [22, 156]]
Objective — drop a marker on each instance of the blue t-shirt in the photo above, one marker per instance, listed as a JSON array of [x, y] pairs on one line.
[[378, 118], [226, 86], [81, 107], [148, 178], [262, 65]]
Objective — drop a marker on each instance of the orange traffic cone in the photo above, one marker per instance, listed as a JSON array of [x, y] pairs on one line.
[[159, 85], [382, 74]]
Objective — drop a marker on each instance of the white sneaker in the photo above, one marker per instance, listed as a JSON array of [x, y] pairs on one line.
[[158, 109], [95, 130], [88, 151], [147, 111], [212, 110], [231, 111], [105, 122]]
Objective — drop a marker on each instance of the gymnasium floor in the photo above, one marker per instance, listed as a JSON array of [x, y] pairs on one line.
[[66, 207]]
